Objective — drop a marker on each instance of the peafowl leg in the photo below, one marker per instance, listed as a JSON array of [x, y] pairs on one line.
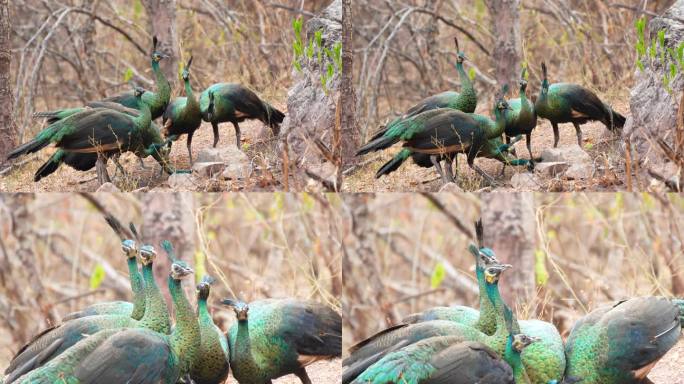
[[214, 126], [528, 141], [142, 163], [435, 162], [301, 373], [189, 144], [237, 133], [101, 167], [556, 135], [578, 129], [471, 163], [449, 170]]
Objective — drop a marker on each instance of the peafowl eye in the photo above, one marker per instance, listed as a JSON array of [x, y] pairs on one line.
[[520, 341], [493, 273]]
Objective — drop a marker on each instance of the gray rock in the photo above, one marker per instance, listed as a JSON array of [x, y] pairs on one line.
[[108, 188], [208, 169], [226, 155], [653, 108], [579, 172], [451, 188], [236, 171], [571, 154], [525, 181], [551, 169], [182, 182]]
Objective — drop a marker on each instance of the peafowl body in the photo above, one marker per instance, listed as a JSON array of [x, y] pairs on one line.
[[570, 103], [521, 119], [131, 355], [85, 137], [622, 343], [370, 351], [234, 103], [52, 342], [136, 309], [466, 101], [445, 359], [183, 115], [213, 359], [281, 336]]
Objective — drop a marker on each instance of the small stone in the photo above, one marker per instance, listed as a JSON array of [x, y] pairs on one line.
[[227, 155], [181, 181], [236, 171], [207, 169], [451, 188], [571, 154], [551, 169], [579, 172], [108, 188], [525, 181]]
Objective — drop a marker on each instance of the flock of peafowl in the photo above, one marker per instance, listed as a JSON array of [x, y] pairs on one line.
[[440, 127], [88, 136], [123, 342], [615, 344]]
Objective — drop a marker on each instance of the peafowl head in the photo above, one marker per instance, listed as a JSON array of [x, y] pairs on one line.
[[523, 81], [180, 270], [147, 254], [493, 273], [460, 55], [129, 248], [204, 287], [240, 307], [138, 92], [521, 341], [156, 55], [186, 70]]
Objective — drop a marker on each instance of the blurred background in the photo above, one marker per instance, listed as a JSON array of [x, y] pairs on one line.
[[571, 253], [57, 254]]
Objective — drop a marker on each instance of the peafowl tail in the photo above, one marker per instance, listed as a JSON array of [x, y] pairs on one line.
[[41, 141], [680, 304], [50, 166], [55, 116], [394, 164], [274, 117]]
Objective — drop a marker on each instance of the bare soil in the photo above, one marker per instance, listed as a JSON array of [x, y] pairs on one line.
[[602, 145], [320, 372], [670, 369], [257, 142]]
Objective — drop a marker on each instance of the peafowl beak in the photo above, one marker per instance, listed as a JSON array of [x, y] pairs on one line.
[[147, 254], [493, 272], [179, 272], [129, 248], [241, 309]]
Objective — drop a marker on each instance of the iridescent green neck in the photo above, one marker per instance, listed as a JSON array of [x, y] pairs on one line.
[[523, 94], [544, 91], [143, 120], [137, 288], [498, 340], [185, 339], [156, 315], [243, 349], [513, 359], [486, 322], [163, 86], [466, 84], [499, 124]]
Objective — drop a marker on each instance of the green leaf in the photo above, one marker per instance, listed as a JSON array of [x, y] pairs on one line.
[[471, 73], [298, 66], [331, 70], [128, 75], [540, 272], [137, 9], [97, 276], [438, 275], [200, 267], [318, 35], [310, 50]]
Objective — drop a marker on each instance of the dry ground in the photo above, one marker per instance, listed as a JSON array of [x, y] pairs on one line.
[[257, 142], [321, 372], [603, 146], [670, 370]]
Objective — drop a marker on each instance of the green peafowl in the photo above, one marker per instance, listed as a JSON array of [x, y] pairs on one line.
[[440, 134], [136, 309], [99, 133], [213, 360], [570, 103], [442, 359], [234, 103], [521, 119], [276, 337], [515, 347], [371, 350], [484, 319], [132, 355], [52, 342], [622, 343], [182, 115], [466, 101]]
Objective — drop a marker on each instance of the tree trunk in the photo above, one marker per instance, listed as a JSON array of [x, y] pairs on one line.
[[162, 15], [505, 16], [350, 127], [509, 229], [168, 216], [8, 131]]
